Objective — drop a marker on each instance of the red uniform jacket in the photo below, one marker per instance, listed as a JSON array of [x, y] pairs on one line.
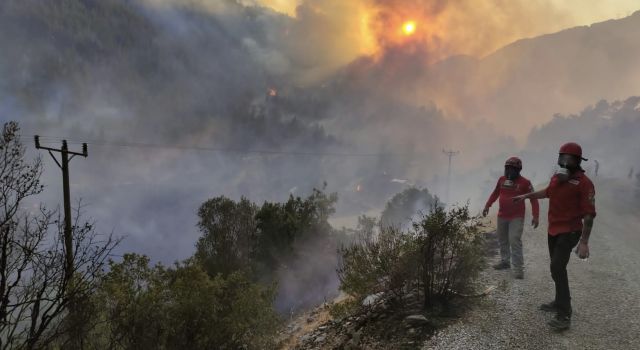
[[506, 190], [569, 202]]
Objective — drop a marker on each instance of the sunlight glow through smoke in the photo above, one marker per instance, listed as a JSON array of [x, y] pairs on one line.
[[409, 27]]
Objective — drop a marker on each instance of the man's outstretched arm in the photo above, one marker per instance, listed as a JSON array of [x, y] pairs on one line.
[[532, 195], [492, 198]]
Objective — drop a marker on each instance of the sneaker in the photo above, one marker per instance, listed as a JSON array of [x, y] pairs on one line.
[[549, 307], [519, 275], [560, 323], [502, 266]]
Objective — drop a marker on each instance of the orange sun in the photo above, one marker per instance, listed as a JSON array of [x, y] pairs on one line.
[[409, 27]]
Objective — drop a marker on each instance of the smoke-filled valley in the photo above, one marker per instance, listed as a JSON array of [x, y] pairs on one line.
[[123, 72]]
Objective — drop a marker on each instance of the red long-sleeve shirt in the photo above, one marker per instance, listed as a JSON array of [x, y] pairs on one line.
[[569, 202], [506, 190]]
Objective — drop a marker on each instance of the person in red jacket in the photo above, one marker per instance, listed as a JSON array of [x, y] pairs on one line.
[[571, 213], [511, 215]]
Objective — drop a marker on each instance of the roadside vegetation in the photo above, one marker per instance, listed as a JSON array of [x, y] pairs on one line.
[[222, 297]]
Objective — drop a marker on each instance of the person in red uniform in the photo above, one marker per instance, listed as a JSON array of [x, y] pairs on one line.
[[571, 213], [511, 215]]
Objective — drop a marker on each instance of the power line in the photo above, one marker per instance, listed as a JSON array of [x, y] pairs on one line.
[[141, 145]]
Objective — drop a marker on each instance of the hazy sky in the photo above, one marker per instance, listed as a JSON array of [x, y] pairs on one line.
[[515, 19], [581, 11]]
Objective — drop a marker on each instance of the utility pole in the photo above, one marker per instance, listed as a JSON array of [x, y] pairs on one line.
[[68, 239], [450, 154]]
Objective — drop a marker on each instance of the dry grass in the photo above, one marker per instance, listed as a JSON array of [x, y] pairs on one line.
[[308, 322]]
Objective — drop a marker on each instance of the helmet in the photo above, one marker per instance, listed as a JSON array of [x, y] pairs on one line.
[[514, 162], [573, 149]]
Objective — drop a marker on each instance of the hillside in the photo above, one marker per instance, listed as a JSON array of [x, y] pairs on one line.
[[522, 84]]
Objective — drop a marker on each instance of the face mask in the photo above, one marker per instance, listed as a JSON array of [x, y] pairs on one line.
[[567, 164], [563, 174], [567, 161], [511, 173]]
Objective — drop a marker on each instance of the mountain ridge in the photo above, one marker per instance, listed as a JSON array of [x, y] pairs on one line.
[[565, 71]]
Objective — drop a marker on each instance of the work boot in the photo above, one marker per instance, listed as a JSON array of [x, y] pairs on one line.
[[518, 274], [549, 307], [502, 265], [560, 323]]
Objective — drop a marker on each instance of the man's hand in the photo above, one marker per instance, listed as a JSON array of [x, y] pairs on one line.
[[485, 212], [583, 250], [535, 222], [517, 199]]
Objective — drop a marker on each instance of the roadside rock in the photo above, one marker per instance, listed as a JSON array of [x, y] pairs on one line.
[[372, 299], [417, 319]]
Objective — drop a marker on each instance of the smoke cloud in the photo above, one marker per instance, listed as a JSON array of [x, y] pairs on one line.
[[330, 91]]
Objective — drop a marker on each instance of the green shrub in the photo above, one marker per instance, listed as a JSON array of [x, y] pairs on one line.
[[385, 263], [153, 307], [229, 233], [451, 252], [282, 228], [240, 235], [441, 255]]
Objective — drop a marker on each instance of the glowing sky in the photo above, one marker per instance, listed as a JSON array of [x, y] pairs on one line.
[[582, 11], [458, 26]]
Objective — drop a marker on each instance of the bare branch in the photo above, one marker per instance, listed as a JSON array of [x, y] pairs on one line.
[[35, 295]]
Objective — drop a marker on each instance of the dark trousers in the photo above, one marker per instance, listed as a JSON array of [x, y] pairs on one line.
[[560, 248]]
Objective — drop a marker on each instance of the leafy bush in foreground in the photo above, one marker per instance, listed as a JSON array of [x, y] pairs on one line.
[[441, 255], [153, 307]]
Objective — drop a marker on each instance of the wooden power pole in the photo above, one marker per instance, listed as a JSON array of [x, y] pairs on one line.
[[450, 154], [64, 165]]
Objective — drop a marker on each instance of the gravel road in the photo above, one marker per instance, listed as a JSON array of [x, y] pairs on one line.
[[605, 297]]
